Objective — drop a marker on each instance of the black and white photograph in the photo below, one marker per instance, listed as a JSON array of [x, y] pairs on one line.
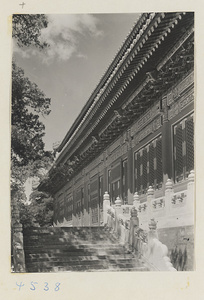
[[102, 142]]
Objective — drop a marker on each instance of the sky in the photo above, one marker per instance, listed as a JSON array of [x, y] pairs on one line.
[[81, 49]]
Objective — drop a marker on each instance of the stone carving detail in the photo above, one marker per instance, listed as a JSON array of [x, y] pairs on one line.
[[179, 199], [142, 208], [158, 204]]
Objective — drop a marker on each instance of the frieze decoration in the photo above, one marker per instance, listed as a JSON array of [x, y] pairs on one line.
[[117, 153], [117, 143], [153, 126], [94, 163], [180, 105], [179, 89], [143, 121], [94, 172]]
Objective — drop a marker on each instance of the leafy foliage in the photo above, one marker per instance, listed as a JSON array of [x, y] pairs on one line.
[[39, 212], [27, 29], [27, 131]]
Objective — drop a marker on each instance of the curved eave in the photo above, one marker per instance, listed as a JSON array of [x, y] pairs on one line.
[[103, 80], [136, 64]]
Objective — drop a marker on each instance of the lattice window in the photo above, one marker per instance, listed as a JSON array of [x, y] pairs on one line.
[[95, 215], [109, 182], [183, 148], [124, 181], [144, 165], [70, 207], [61, 207], [115, 190], [89, 197], [148, 166], [178, 151], [137, 172], [82, 200], [101, 191], [159, 170], [115, 172], [189, 145], [151, 164]]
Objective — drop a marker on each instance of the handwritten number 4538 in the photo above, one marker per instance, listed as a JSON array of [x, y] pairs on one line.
[[33, 286]]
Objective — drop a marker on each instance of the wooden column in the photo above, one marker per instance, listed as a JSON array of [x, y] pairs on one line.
[[105, 174], [130, 170], [166, 143]]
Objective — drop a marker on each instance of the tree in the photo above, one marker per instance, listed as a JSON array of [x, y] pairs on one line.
[[27, 29], [27, 130], [39, 212], [28, 103]]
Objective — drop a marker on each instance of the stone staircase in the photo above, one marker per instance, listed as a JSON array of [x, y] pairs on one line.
[[76, 249]]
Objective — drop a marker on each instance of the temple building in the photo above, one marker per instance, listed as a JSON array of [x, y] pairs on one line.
[[137, 128]]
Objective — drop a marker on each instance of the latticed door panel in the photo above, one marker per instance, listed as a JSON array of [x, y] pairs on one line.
[[159, 169], [183, 148], [94, 209], [60, 212], [144, 169], [101, 191], [178, 152], [124, 180], [137, 172], [148, 166], [94, 200], [151, 165], [189, 145], [69, 207], [115, 190]]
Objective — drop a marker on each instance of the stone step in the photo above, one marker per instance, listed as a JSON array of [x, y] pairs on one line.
[[95, 265], [66, 231], [76, 249], [58, 257], [87, 269], [60, 241]]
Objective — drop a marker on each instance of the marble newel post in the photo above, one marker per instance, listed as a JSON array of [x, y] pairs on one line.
[[118, 211], [106, 204], [150, 195], [190, 191], [136, 201], [118, 208], [168, 196]]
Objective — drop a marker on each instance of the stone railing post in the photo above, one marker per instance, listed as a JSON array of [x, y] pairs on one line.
[[106, 204], [134, 225], [190, 191], [150, 196], [118, 211], [157, 252], [168, 195], [152, 229], [118, 204], [17, 239], [136, 201]]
